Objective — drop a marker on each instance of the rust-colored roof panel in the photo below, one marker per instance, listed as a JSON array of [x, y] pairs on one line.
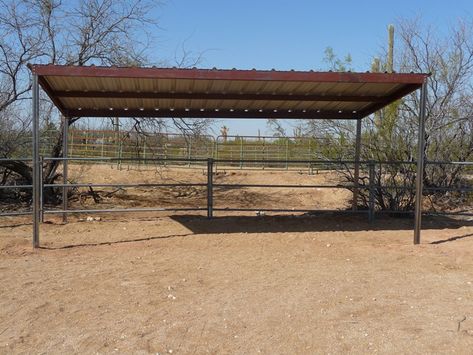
[[222, 74], [156, 92]]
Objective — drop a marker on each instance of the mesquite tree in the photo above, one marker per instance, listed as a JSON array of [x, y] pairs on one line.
[[391, 133], [85, 32]]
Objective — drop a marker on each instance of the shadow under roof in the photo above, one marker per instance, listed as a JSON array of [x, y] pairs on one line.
[[94, 91]]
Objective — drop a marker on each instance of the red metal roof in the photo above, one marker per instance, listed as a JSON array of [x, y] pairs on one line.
[[173, 92]]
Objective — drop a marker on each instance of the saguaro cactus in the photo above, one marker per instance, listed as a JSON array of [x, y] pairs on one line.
[[390, 59]]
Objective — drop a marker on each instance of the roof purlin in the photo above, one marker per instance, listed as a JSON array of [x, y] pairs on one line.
[[166, 113], [215, 96]]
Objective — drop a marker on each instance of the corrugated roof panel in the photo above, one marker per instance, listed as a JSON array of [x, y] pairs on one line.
[[342, 88], [379, 89], [97, 89]]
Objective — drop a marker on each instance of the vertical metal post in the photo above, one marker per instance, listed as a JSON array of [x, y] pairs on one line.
[[72, 143], [310, 156], [356, 175], [120, 153], [41, 190], [371, 192], [241, 153], [87, 142], [118, 143], [165, 154], [189, 152], [144, 153], [420, 164], [210, 163], [264, 152], [216, 153], [103, 143], [287, 153], [36, 162], [65, 165]]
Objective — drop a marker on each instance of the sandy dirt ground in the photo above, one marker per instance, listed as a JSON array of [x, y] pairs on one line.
[[162, 283]]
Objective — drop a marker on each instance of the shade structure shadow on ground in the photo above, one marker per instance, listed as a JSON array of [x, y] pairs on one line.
[[186, 226], [124, 241], [452, 239], [308, 223]]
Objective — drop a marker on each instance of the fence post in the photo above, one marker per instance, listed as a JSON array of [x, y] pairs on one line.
[[41, 191], [287, 153], [241, 154], [103, 142], [144, 153], [210, 163], [371, 191], [264, 153], [87, 142], [165, 154], [65, 167], [72, 143], [120, 155], [216, 153], [310, 157], [189, 152]]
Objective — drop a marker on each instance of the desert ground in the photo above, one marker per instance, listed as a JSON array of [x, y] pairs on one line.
[[179, 283]]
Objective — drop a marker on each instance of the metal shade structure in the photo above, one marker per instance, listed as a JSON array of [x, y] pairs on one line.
[[162, 92], [96, 91]]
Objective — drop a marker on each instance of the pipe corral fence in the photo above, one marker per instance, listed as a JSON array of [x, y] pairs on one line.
[[240, 151], [368, 171]]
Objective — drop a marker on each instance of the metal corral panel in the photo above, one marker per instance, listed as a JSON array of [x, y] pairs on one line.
[[171, 92]]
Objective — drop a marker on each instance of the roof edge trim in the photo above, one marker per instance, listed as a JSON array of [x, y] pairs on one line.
[[225, 74]]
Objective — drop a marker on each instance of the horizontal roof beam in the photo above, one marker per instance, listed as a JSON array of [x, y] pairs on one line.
[[219, 74], [221, 113], [216, 96]]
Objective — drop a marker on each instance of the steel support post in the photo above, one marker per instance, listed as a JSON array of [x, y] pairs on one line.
[[356, 175], [420, 164], [216, 154], [41, 190], [371, 191], [65, 165], [210, 167], [36, 162]]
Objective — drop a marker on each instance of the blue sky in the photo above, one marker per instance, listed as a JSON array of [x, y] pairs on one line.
[[288, 34]]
